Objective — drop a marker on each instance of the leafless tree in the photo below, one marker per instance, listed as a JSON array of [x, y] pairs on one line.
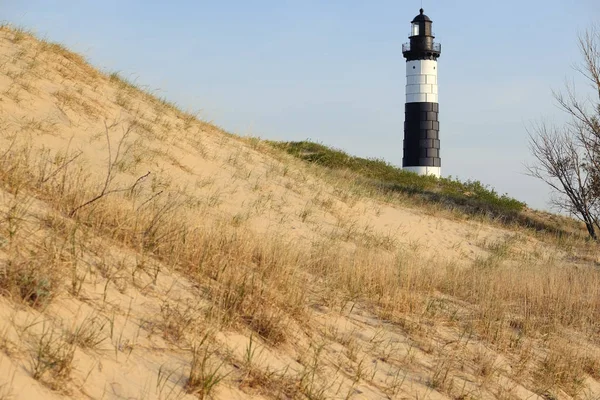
[[568, 157]]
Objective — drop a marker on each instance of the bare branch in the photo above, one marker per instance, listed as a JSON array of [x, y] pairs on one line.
[[106, 190]]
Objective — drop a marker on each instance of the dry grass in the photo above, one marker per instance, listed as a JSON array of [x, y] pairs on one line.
[[518, 318], [263, 284], [204, 373], [51, 357]]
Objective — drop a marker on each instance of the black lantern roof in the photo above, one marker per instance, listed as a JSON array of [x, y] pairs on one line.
[[421, 17], [421, 45]]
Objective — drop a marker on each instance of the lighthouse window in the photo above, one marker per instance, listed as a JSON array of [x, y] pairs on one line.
[[415, 29]]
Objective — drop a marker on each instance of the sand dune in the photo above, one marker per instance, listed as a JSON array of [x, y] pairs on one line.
[[149, 255]]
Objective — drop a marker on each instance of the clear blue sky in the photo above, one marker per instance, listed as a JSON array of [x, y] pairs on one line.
[[333, 71]]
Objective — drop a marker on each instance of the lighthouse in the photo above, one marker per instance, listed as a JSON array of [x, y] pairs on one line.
[[421, 124]]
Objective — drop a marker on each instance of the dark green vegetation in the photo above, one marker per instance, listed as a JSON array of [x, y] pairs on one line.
[[472, 197]]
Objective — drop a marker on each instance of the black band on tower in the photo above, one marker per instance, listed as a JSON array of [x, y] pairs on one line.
[[421, 135]]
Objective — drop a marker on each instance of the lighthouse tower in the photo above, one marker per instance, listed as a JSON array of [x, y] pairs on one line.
[[421, 125]]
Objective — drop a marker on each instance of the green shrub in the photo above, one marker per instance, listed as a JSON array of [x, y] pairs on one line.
[[472, 197]]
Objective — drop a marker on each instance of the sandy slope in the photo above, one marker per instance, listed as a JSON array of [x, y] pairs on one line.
[[60, 107]]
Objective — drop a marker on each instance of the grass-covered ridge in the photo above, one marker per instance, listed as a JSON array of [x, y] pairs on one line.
[[470, 196]]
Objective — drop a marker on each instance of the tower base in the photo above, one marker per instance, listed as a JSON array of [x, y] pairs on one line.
[[435, 171]]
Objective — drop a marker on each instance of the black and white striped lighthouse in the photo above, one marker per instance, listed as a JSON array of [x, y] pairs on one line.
[[421, 125]]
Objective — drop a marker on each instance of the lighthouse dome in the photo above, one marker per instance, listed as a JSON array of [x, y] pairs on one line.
[[421, 17]]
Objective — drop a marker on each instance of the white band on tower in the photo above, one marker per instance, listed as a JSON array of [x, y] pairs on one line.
[[421, 81]]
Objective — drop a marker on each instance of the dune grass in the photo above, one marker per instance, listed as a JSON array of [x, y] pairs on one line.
[[520, 311], [507, 300]]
